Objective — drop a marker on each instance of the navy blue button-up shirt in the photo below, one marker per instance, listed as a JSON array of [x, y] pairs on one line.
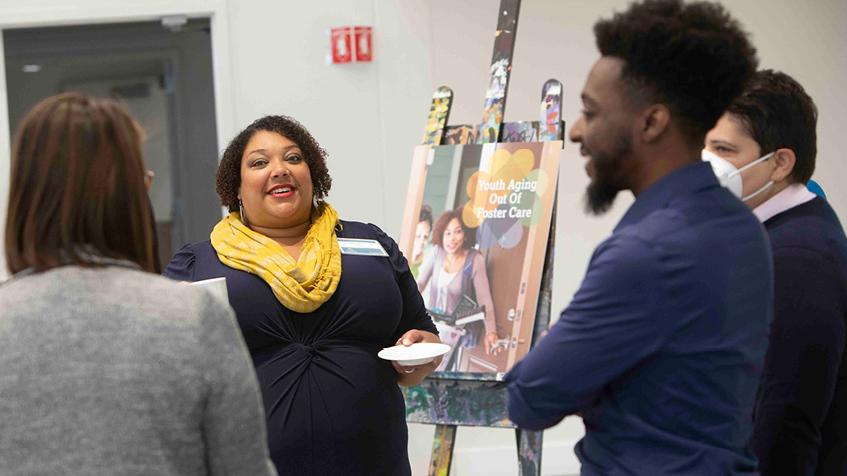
[[662, 347]]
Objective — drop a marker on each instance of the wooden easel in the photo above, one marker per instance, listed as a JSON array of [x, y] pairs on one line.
[[452, 399]]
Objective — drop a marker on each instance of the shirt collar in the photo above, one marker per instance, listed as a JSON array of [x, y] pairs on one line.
[[684, 180], [787, 198]]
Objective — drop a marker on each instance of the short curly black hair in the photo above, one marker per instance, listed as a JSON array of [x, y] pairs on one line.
[[693, 57], [228, 178], [777, 113]]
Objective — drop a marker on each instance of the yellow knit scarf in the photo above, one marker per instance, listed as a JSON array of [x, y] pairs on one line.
[[301, 285]]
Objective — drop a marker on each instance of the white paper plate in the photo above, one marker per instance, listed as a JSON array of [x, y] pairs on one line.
[[415, 354]]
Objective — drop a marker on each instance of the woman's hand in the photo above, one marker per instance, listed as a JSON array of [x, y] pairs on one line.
[[413, 375], [490, 342]]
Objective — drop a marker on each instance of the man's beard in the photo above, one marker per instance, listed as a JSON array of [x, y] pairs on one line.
[[604, 187]]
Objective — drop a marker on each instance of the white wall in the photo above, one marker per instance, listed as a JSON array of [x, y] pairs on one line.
[[370, 116], [278, 64]]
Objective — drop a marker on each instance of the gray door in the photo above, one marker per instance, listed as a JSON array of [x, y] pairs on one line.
[[164, 75]]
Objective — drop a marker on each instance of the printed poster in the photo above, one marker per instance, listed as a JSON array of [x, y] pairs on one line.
[[475, 229]]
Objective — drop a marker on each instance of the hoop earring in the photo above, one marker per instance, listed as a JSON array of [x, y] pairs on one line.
[[314, 212], [241, 213]]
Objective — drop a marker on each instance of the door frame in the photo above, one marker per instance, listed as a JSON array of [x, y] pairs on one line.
[[59, 13]]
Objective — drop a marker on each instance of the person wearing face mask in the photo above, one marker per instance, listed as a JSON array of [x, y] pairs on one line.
[[316, 297], [661, 348], [763, 150]]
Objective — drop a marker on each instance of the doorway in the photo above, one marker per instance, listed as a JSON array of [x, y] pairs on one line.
[[162, 71]]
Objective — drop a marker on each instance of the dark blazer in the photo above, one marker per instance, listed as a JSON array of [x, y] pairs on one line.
[[801, 408]]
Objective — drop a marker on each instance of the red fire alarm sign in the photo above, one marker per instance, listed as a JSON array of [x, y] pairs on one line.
[[342, 51], [364, 43]]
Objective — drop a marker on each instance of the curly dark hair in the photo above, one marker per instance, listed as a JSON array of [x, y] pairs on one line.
[[777, 113], [229, 170], [694, 58]]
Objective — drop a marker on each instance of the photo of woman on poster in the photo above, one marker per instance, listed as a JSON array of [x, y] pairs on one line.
[[481, 276], [421, 245], [454, 283]]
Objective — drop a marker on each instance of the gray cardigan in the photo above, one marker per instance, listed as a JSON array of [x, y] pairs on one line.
[[114, 371]]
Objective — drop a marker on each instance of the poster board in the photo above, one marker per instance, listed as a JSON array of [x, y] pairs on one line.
[[503, 196]]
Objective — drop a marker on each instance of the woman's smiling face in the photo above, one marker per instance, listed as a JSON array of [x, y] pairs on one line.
[[276, 183], [454, 236]]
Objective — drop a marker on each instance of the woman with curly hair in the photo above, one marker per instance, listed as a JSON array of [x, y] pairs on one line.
[[314, 317], [452, 273]]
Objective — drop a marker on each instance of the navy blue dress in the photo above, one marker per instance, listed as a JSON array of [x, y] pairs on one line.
[[332, 406]]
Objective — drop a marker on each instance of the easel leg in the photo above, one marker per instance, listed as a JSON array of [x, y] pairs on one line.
[[442, 450], [529, 452]]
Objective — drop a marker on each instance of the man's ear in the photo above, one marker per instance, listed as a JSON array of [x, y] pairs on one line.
[[784, 159], [655, 120]]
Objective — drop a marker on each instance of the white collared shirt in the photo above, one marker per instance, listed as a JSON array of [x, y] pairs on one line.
[[791, 196]]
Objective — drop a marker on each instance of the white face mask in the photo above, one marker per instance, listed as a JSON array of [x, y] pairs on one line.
[[730, 177]]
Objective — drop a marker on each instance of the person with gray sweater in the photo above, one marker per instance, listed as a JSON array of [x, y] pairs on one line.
[[106, 368]]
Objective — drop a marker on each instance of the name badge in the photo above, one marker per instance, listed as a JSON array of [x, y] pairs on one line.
[[360, 247]]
